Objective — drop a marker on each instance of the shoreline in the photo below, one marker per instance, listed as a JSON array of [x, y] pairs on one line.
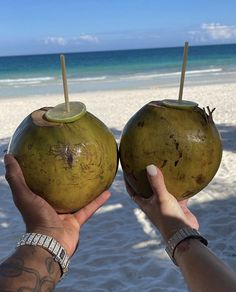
[[88, 87]]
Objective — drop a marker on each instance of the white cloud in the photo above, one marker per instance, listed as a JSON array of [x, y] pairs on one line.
[[62, 41], [55, 41], [214, 31], [218, 31], [88, 38]]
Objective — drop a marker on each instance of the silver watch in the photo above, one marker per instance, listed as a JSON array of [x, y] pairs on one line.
[[51, 245], [179, 236]]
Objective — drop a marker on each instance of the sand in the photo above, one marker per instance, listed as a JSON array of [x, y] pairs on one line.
[[119, 249]]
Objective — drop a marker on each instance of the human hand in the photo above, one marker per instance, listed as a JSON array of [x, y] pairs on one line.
[[162, 209], [40, 217]]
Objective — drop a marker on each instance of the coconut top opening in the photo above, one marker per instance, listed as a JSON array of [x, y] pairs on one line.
[[39, 119], [59, 113], [56, 116], [171, 103], [179, 104]]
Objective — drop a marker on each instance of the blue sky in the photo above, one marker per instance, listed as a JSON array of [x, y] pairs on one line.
[[48, 26]]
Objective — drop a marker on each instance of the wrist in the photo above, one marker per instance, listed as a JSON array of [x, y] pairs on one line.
[[41, 259], [49, 244], [181, 236], [167, 233], [56, 233], [185, 247]]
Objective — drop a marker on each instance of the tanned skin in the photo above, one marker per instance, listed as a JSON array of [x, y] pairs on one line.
[[33, 268], [202, 270], [29, 269]]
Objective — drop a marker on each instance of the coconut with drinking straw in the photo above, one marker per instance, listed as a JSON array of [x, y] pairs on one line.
[[67, 155], [177, 136]]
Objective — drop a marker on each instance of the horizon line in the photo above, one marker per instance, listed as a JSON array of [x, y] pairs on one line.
[[113, 50]]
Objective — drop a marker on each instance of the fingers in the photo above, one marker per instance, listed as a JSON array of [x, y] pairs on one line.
[[85, 213], [139, 200], [157, 182], [14, 175], [20, 191]]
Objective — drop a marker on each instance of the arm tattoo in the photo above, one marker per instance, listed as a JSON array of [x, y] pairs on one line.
[[29, 279], [50, 265]]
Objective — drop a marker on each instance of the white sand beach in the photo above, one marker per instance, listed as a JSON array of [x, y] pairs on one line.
[[119, 249]]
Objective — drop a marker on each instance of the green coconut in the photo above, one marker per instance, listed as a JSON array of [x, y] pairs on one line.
[[67, 163], [181, 139]]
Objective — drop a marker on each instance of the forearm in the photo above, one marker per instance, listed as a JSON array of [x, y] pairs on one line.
[[29, 268], [202, 270]]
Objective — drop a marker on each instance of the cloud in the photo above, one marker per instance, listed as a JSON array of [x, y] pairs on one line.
[[88, 38], [62, 41], [214, 31], [55, 41], [218, 31]]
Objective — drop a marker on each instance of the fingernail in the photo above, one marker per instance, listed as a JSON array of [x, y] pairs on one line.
[[151, 170]]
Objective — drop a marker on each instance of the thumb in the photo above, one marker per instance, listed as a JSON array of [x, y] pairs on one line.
[[22, 195], [157, 182]]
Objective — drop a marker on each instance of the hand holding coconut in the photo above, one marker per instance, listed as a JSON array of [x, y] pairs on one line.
[[32, 264], [177, 136], [67, 160], [67, 155], [202, 270], [163, 210], [182, 140], [40, 217]]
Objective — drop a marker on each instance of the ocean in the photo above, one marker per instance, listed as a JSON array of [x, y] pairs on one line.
[[126, 69]]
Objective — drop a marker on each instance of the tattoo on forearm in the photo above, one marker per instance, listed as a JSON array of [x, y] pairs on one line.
[[11, 268], [50, 265], [15, 267]]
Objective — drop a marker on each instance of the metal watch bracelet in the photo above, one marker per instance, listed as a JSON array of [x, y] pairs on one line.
[[49, 244], [179, 236]]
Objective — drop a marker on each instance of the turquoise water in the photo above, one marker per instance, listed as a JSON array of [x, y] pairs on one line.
[[40, 74]]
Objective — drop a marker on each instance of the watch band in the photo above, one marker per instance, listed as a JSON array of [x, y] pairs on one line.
[[49, 244], [179, 236]]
